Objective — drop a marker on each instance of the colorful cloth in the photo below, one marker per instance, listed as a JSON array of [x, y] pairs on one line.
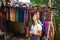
[[20, 15], [46, 27], [48, 16], [26, 16], [46, 24], [16, 13], [12, 14]]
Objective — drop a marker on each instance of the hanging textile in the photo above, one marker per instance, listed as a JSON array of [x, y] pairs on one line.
[[26, 16], [48, 34], [42, 16], [46, 29], [48, 16], [16, 13], [12, 14], [20, 15], [46, 24]]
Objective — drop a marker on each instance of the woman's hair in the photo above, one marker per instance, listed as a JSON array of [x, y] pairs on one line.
[[36, 12]]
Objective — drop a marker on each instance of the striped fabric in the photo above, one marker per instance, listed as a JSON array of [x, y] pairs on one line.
[[25, 16]]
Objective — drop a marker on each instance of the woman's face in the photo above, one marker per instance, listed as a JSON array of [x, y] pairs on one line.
[[38, 15], [35, 17]]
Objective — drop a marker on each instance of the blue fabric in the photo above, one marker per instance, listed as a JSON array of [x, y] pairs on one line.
[[45, 32], [42, 22], [42, 15], [21, 15]]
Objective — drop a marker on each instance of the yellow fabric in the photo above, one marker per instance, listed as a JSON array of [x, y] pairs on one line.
[[12, 15]]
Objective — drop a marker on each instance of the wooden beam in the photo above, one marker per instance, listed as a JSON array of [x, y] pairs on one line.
[[42, 9]]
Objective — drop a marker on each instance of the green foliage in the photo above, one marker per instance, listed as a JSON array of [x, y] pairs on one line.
[[39, 2], [56, 3]]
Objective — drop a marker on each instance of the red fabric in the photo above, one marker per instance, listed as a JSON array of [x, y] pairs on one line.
[[48, 16], [26, 16]]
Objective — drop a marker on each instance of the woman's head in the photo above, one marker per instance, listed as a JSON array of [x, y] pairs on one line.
[[34, 18], [37, 13]]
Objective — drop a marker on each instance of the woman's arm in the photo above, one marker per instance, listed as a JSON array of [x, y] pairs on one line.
[[39, 33]]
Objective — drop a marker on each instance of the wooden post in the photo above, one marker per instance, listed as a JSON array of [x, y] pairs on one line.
[[49, 3]]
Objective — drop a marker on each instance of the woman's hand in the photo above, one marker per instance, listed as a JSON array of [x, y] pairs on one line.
[[30, 33]]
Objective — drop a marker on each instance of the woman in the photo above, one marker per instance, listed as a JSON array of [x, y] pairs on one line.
[[36, 29], [38, 16]]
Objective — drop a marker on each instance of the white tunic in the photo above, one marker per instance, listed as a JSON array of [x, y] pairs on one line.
[[35, 28]]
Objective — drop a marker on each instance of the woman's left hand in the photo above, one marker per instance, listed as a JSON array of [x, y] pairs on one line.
[[30, 33]]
